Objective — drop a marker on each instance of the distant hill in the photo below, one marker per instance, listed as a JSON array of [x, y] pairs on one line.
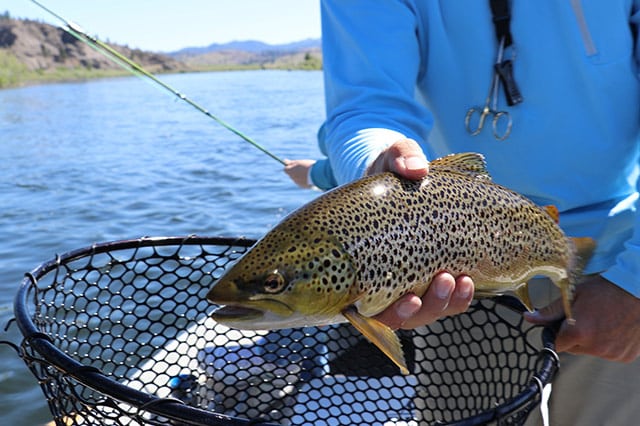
[[32, 52], [248, 46], [305, 54], [43, 47]]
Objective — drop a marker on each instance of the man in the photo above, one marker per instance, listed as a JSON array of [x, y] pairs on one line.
[[401, 77]]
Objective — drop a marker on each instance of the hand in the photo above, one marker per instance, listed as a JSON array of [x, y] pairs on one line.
[[607, 322], [445, 296], [404, 157], [298, 171]]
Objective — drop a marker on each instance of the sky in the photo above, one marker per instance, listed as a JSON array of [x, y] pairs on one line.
[[169, 25]]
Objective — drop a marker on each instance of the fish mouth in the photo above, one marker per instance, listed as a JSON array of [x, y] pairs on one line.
[[236, 313]]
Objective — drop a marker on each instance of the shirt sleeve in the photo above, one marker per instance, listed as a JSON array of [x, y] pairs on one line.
[[371, 61], [321, 175]]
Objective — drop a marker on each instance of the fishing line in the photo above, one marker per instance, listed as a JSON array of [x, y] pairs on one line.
[[135, 68]]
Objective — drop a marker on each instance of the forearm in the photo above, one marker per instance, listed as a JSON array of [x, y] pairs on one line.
[[371, 63]]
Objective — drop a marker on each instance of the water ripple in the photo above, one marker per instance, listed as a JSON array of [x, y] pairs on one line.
[[115, 159]]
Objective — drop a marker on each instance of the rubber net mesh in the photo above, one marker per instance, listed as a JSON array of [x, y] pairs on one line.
[[134, 315]]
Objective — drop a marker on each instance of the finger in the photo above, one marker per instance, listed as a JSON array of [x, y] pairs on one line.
[[404, 157], [566, 340], [400, 311], [461, 297], [547, 315], [434, 302], [568, 335]]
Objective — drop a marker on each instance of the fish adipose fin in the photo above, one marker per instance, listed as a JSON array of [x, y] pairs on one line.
[[553, 212], [380, 335], [470, 164]]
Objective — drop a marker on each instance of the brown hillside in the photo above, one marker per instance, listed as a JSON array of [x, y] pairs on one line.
[[44, 47]]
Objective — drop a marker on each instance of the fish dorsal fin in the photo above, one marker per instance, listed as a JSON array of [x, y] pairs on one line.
[[553, 212], [470, 164]]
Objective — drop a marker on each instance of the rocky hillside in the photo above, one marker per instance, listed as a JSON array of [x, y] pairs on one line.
[[42, 47], [34, 52]]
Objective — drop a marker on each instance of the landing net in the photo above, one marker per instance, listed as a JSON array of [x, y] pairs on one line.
[[119, 334]]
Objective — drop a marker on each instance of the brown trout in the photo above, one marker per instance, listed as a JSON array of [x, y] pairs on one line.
[[350, 253]]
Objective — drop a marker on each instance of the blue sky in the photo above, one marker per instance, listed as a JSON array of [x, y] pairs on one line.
[[167, 25]]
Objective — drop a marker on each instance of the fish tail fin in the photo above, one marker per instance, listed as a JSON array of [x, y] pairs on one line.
[[583, 250], [380, 335]]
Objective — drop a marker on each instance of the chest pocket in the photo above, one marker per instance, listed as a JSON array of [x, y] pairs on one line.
[[604, 39]]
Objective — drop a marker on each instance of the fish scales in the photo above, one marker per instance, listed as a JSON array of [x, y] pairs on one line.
[[353, 251], [401, 233]]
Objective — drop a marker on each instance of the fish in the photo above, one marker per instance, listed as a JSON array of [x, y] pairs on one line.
[[351, 252]]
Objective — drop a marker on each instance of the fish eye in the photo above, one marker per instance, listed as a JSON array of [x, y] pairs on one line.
[[274, 283]]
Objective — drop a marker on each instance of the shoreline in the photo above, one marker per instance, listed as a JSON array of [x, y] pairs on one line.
[[72, 75]]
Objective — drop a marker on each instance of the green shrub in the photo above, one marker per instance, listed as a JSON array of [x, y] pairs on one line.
[[12, 71]]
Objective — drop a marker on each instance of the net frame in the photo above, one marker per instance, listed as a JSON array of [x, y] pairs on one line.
[[81, 393]]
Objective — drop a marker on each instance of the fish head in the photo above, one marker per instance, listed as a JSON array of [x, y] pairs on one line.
[[285, 280]]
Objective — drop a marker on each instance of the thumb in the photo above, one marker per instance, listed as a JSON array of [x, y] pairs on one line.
[[546, 315], [404, 157], [407, 159]]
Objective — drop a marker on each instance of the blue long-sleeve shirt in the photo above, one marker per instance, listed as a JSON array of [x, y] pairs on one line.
[[412, 69]]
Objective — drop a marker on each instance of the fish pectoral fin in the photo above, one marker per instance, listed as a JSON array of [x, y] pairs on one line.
[[378, 334]]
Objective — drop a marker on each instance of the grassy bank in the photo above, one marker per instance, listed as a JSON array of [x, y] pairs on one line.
[[13, 73]]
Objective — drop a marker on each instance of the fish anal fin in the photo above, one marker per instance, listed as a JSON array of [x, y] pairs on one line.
[[566, 290], [523, 294], [553, 212], [471, 164], [380, 335]]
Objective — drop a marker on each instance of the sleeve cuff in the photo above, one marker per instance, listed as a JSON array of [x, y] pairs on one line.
[[623, 278]]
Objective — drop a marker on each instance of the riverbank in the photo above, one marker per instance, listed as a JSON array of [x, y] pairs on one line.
[[36, 53]]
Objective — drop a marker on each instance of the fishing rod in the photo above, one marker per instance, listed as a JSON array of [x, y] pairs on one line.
[[135, 68]]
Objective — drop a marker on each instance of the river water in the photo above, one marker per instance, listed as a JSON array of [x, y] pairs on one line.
[[115, 159]]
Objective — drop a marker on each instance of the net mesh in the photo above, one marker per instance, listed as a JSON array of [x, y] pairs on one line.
[[119, 333]]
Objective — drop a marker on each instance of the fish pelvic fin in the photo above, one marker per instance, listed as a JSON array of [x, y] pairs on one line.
[[470, 164], [378, 334]]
